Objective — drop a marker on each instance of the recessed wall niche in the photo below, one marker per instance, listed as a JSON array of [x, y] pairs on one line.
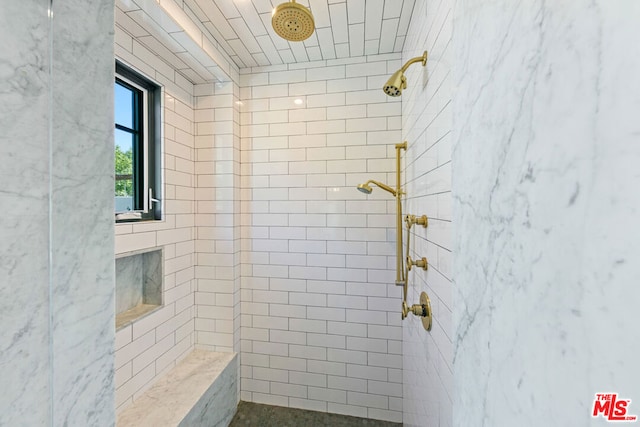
[[138, 285]]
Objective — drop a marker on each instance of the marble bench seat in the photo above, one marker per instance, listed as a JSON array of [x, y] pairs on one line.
[[201, 390]]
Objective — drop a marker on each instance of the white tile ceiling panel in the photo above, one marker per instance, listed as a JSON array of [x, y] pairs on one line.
[[344, 28], [355, 11], [389, 26], [339, 23], [356, 39], [373, 19]]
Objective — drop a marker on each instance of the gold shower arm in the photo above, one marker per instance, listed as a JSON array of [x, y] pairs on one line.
[[381, 185], [422, 59]]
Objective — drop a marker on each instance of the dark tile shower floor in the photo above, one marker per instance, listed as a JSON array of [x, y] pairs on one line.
[[253, 414]]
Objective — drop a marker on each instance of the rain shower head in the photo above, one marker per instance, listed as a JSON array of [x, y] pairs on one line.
[[397, 82], [292, 21], [366, 188]]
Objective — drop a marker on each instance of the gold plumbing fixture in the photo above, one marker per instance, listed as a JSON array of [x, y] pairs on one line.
[[419, 220], [422, 310], [420, 263], [292, 21], [397, 193], [397, 82], [366, 188]]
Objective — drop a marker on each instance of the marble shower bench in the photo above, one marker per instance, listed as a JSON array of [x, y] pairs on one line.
[[201, 390]]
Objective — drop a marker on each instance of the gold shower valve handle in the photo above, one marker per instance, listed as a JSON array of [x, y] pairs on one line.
[[421, 263], [422, 310], [419, 220]]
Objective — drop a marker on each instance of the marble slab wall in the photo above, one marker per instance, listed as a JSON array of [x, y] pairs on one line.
[[545, 189], [56, 268], [24, 228]]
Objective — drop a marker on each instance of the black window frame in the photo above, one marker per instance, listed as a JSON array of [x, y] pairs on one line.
[[151, 194]]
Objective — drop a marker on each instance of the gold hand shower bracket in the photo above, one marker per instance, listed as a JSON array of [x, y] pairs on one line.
[[420, 263], [397, 194], [419, 220]]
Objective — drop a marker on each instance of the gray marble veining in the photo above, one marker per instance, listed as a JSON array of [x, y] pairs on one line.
[[24, 227], [56, 234], [82, 234], [545, 186]]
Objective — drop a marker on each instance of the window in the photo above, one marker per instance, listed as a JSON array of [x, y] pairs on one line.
[[137, 146]]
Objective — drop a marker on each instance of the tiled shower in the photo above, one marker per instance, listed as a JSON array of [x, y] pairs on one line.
[[268, 249]]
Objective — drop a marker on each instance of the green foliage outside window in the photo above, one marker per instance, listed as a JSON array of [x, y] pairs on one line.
[[124, 172]]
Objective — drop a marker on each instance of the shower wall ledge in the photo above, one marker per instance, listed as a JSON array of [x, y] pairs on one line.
[[200, 391]]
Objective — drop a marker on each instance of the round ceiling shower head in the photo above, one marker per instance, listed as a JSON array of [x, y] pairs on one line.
[[292, 21]]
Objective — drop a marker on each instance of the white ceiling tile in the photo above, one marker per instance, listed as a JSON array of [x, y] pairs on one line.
[[223, 42], [287, 56], [327, 47], [314, 53], [192, 75], [373, 19], [312, 40], [196, 9], [355, 10], [245, 34], [320, 11], [261, 59], [238, 61], [130, 22], [243, 53], [388, 35], [371, 47], [392, 9], [299, 51], [217, 19], [344, 28], [227, 8], [399, 44], [161, 50], [405, 17], [250, 15], [339, 23], [263, 6], [356, 39], [269, 49], [342, 50], [127, 5]]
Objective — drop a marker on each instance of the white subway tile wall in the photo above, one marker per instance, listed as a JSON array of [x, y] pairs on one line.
[[217, 216], [320, 322], [146, 349], [426, 125]]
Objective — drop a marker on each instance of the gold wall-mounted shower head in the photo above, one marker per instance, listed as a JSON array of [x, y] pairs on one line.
[[292, 21], [398, 81]]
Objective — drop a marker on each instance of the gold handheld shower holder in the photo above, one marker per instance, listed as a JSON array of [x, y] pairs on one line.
[[397, 193], [419, 220], [420, 263]]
